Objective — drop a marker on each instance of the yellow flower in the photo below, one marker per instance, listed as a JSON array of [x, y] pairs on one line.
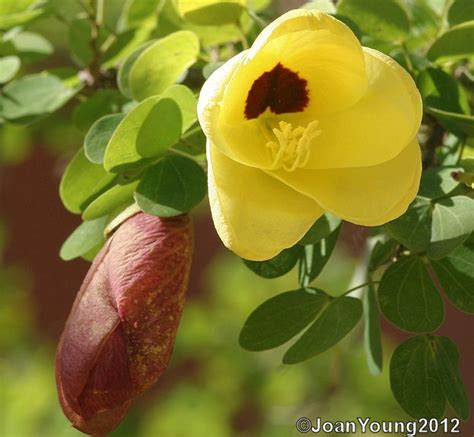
[[307, 121]]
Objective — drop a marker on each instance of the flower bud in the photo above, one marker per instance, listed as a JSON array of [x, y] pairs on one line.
[[120, 333]]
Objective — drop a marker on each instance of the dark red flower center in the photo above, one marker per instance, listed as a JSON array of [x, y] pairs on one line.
[[280, 89]]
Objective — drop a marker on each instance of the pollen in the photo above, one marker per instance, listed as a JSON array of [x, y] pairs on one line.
[[292, 148]]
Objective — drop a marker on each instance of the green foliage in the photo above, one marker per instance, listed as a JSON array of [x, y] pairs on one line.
[[9, 66], [280, 318], [385, 20], [176, 53], [456, 275], [316, 257], [102, 103], [32, 97], [122, 150], [461, 11], [99, 136], [85, 237], [372, 334], [424, 374], [17, 12], [408, 297], [276, 266], [82, 182], [209, 12], [381, 254], [123, 76], [171, 187], [452, 225], [336, 320], [110, 200], [453, 44], [166, 112]]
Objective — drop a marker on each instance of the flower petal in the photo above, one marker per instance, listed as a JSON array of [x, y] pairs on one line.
[[303, 19], [368, 196], [317, 48], [256, 216], [378, 127]]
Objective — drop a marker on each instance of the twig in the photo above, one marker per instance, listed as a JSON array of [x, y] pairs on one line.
[[360, 286], [435, 139]]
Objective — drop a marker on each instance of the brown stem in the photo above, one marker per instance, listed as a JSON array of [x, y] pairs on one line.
[[434, 140]]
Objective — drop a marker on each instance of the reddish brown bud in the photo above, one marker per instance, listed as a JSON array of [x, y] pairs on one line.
[[120, 333]]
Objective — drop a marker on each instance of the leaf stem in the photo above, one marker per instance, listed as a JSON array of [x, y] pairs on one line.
[[462, 146], [201, 163], [360, 286], [406, 54]]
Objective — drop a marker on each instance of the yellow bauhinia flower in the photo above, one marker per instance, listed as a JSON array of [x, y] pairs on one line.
[[307, 121]]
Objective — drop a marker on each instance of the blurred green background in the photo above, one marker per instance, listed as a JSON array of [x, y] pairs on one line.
[[212, 387]]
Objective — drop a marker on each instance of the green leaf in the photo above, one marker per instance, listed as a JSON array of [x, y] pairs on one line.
[[350, 24], [103, 102], [67, 9], [109, 201], [99, 136], [186, 101], [372, 336], [170, 21], [122, 150], [33, 97], [125, 44], [413, 229], [447, 363], [441, 91], [461, 11], [454, 44], [171, 187], [123, 76], [425, 22], [438, 182], [452, 224], [460, 124], [276, 266], [9, 66], [163, 63], [381, 254], [81, 40], [136, 12], [338, 318], [15, 13], [408, 297], [280, 318], [82, 181], [414, 379], [31, 46], [456, 275], [316, 257], [386, 21], [193, 142], [154, 141], [92, 253], [209, 12], [80, 36], [325, 225], [84, 238]]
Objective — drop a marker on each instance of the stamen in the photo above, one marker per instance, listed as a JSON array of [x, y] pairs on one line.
[[293, 147]]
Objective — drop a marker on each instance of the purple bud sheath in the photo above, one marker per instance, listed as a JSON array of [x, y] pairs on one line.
[[120, 334]]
